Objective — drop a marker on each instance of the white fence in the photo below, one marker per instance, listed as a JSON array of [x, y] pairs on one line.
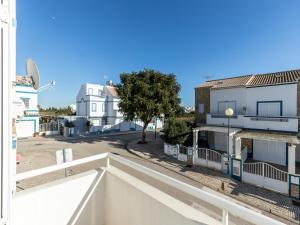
[[265, 175], [209, 158], [172, 150], [51, 128]]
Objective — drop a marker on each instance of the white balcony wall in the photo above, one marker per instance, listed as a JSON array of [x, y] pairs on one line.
[[235, 121], [287, 124]]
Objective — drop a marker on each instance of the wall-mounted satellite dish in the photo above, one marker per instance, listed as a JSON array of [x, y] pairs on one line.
[[33, 72]]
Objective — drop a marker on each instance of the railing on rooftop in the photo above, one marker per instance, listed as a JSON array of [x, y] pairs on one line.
[[227, 207]]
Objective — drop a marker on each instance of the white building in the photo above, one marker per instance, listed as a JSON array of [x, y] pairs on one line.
[[264, 126], [100, 105], [28, 123]]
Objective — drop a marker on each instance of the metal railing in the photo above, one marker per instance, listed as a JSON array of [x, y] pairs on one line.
[[265, 170], [209, 154], [227, 207], [52, 126]]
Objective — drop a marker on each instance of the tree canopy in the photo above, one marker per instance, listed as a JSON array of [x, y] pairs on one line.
[[147, 94], [176, 132]]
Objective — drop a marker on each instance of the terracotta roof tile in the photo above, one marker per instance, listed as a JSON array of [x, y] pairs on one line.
[[275, 78], [112, 91], [24, 80], [266, 79], [227, 82]]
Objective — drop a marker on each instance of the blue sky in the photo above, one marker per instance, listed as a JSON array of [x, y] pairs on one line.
[[75, 42]]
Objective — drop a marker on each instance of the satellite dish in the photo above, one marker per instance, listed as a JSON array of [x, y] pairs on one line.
[[33, 72]]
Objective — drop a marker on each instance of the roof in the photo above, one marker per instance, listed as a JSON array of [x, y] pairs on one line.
[[283, 77], [112, 90], [22, 80], [270, 136]]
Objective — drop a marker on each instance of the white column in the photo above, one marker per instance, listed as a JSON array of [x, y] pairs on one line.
[[238, 144], [291, 158], [230, 144], [195, 139]]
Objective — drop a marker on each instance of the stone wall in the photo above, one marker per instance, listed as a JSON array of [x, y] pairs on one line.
[[202, 95]]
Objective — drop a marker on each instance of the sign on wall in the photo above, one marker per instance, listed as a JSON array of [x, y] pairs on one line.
[[236, 168]]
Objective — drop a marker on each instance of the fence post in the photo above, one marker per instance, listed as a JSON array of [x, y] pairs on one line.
[[263, 169], [224, 217]]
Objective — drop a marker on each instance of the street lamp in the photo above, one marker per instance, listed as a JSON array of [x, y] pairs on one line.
[[228, 113]]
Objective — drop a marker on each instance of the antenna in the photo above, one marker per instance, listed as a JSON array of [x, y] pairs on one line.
[[44, 87], [33, 72], [208, 77]]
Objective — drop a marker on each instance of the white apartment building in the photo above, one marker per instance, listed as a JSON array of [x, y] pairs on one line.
[[99, 104]]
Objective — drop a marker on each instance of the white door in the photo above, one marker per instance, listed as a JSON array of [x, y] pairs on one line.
[[25, 128], [269, 151]]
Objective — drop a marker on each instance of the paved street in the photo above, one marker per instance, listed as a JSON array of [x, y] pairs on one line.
[[40, 152]]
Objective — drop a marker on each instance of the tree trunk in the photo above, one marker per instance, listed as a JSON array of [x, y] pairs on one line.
[[144, 133]]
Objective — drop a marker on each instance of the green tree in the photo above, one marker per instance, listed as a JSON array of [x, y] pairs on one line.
[[147, 94], [176, 132]]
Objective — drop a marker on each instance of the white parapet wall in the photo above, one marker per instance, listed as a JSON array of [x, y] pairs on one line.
[[172, 150], [112, 196]]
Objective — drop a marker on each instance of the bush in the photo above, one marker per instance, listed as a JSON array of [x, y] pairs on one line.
[[176, 132]]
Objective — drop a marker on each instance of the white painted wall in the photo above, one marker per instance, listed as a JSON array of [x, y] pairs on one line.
[[248, 97], [286, 93], [233, 94], [30, 93], [52, 203], [145, 204], [115, 198]]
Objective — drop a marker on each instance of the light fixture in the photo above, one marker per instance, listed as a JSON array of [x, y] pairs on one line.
[[229, 112]]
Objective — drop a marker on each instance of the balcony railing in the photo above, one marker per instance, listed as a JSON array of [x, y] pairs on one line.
[[227, 207], [277, 123]]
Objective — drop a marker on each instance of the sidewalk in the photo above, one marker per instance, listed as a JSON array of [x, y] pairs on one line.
[[260, 198]]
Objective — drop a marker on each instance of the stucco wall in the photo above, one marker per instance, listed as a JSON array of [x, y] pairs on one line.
[[285, 93], [235, 94]]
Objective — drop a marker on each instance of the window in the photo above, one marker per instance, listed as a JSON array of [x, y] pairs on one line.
[[103, 107], [26, 102], [99, 92], [222, 106], [269, 108], [94, 107], [201, 108], [90, 91]]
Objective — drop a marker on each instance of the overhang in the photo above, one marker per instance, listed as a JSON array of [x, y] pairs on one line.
[[269, 136], [219, 129]]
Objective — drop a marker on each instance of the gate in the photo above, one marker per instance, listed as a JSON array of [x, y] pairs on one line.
[[265, 175], [236, 168], [294, 186], [209, 158]]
